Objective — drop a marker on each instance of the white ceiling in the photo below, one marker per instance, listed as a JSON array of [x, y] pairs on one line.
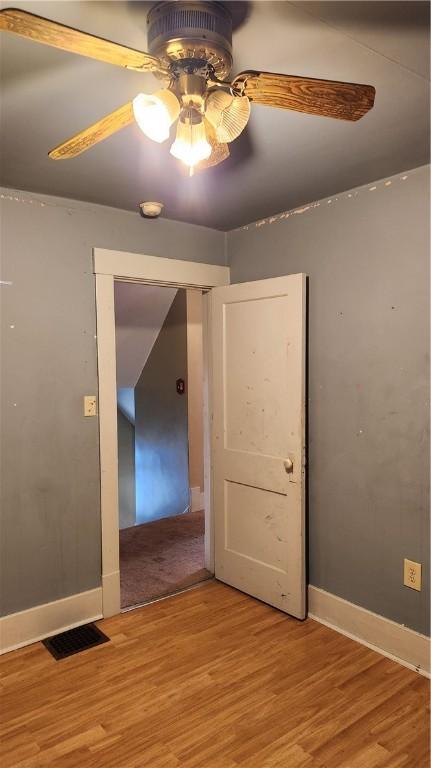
[[140, 311], [283, 160]]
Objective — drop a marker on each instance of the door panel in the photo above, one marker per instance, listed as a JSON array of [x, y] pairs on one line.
[[258, 369], [252, 515], [253, 395]]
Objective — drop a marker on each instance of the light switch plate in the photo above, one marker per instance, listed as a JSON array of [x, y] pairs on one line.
[[90, 405], [412, 575]]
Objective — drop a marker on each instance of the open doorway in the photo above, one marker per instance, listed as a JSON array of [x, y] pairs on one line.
[[159, 362]]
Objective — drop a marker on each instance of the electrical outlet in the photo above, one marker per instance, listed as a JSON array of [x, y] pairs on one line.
[[412, 574], [90, 406]]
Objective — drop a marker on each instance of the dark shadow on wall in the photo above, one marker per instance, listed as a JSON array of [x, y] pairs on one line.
[[161, 436]]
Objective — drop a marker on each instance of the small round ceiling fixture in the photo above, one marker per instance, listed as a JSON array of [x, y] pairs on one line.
[[150, 210]]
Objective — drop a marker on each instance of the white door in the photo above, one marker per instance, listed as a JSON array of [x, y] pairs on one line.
[[258, 438]]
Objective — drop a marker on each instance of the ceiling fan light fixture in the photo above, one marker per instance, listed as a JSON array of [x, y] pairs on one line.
[[191, 145], [190, 44], [155, 113], [227, 114]]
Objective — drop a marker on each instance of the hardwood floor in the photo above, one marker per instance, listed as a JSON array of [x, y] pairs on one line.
[[213, 679]]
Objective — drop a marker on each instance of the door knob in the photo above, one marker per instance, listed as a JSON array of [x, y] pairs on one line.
[[288, 465]]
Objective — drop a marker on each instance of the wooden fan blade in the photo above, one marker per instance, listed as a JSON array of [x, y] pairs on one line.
[[95, 133], [68, 39], [329, 98]]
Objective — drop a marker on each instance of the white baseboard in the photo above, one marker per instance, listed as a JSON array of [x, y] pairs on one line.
[[197, 498], [25, 627], [383, 635]]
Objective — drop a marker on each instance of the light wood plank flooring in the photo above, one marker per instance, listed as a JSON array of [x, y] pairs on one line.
[[213, 679]]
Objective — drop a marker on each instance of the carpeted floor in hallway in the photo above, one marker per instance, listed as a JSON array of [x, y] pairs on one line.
[[161, 557]]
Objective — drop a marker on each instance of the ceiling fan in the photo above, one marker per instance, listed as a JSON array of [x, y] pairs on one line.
[[190, 51]]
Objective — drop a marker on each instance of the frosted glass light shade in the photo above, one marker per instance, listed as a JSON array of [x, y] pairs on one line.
[[227, 114], [191, 145], [155, 113]]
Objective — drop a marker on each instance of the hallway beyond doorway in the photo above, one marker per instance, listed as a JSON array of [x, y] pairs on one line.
[[162, 557]]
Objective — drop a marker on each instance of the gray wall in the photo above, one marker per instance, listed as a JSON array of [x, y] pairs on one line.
[[126, 471], [367, 257], [161, 425], [50, 526]]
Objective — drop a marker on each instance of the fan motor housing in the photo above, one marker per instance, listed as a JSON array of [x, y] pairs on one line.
[[194, 32]]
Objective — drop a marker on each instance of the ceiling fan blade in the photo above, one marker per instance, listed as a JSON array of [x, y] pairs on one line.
[[95, 133], [68, 39], [329, 98]]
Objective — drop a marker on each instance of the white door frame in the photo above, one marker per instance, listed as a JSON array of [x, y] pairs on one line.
[[108, 266]]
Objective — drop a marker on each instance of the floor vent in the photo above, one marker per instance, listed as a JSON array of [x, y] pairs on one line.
[[74, 641]]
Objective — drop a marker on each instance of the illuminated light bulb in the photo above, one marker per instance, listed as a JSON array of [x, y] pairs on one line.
[[156, 113], [191, 145]]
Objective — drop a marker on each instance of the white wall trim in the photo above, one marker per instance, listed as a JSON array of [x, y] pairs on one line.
[[154, 269], [26, 627], [197, 499], [107, 379], [207, 404], [111, 595], [121, 265], [394, 640]]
